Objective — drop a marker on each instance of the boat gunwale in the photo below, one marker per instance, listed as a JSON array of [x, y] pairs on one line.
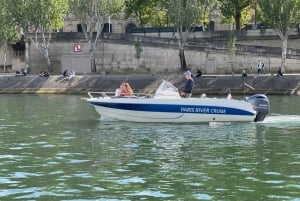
[[112, 95]]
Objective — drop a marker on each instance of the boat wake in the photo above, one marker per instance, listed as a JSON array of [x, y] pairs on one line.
[[278, 119]]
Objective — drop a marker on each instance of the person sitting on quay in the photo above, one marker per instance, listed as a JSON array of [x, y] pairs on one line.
[[21, 73], [279, 72], [72, 74], [244, 73], [199, 73], [68, 75], [65, 73], [44, 73]]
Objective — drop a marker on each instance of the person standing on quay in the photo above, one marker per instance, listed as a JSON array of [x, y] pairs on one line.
[[260, 68], [187, 92]]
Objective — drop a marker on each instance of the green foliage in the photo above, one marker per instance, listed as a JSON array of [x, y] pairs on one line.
[[184, 13], [236, 11], [207, 9], [8, 31], [280, 14], [87, 9], [190, 13], [149, 12], [92, 14], [245, 17], [159, 12], [38, 14], [39, 17], [48, 14]]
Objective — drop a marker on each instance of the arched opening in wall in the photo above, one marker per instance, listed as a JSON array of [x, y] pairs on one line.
[[130, 27], [19, 47], [79, 27], [211, 26], [107, 28]]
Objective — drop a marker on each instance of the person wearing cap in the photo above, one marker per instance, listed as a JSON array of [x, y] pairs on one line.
[[187, 91]]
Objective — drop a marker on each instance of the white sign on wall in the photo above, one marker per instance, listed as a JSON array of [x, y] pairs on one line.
[[78, 47]]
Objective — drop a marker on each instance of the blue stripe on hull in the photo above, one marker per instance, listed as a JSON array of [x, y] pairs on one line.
[[196, 109]]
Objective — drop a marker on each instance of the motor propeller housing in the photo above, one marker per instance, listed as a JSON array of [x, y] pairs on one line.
[[261, 105]]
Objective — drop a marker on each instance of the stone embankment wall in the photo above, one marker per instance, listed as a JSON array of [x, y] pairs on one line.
[[116, 54], [148, 83]]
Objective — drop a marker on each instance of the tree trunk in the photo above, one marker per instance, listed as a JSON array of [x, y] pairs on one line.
[[92, 57], [283, 56], [182, 60], [27, 47], [46, 50], [93, 63], [5, 58], [237, 19]]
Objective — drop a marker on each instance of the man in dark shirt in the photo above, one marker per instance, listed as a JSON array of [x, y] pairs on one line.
[[279, 72], [65, 73], [187, 92]]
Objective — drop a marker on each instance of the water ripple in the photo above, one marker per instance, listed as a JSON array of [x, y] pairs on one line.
[[151, 193], [130, 180], [63, 152]]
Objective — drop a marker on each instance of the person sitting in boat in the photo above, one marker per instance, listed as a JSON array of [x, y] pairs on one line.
[[125, 89], [187, 91]]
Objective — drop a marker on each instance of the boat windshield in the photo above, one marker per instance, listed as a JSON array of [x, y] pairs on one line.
[[165, 86]]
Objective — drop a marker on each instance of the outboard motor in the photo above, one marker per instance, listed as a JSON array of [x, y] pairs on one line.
[[260, 104]]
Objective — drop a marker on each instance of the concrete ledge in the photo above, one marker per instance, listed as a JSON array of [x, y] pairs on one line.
[[148, 83]]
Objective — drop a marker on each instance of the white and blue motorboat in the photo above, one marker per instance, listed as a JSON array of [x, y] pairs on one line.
[[166, 105]]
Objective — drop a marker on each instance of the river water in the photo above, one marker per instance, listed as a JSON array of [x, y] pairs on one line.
[[54, 147]]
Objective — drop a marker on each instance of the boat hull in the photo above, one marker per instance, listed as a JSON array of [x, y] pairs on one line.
[[174, 110]]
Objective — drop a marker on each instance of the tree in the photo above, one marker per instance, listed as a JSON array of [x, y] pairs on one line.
[[150, 12], [48, 15], [186, 14], [282, 15], [235, 10], [41, 18], [8, 31], [19, 14], [208, 10], [92, 15]]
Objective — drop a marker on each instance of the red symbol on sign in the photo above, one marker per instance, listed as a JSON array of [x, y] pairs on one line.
[[77, 48]]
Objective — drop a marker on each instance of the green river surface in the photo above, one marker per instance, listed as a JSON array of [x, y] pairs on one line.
[[54, 147]]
